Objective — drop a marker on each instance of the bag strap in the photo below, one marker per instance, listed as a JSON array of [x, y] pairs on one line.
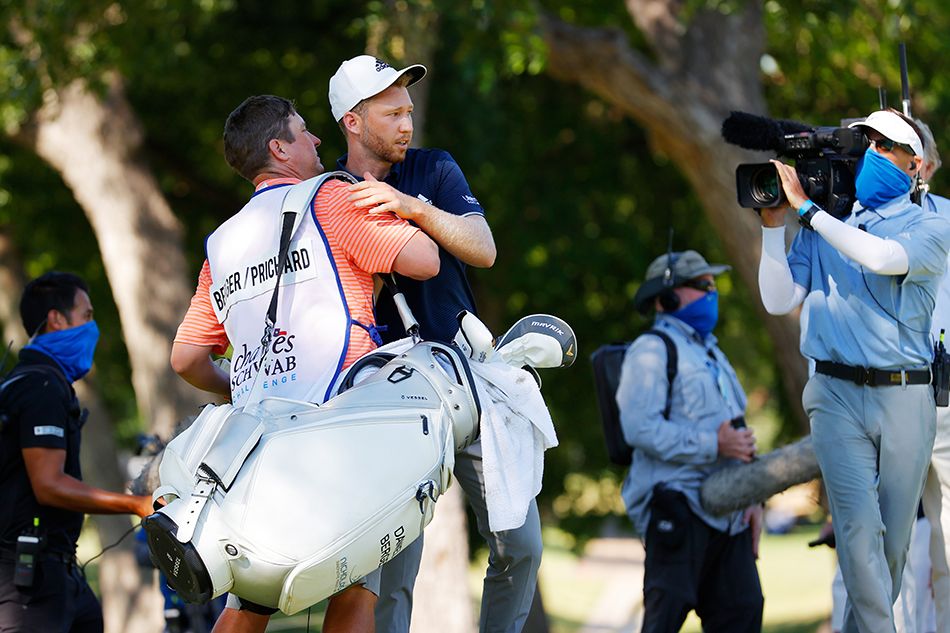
[[24, 370], [671, 367], [286, 230], [297, 203]]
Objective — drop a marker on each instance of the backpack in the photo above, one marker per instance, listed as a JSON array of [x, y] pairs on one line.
[[607, 362]]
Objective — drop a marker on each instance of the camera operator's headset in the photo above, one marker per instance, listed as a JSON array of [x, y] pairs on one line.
[[669, 300]]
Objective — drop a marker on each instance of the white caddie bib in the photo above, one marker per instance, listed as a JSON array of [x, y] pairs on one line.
[[313, 322]]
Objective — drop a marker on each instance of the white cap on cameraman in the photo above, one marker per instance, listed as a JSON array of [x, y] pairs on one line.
[[892, 126], [363, 77]]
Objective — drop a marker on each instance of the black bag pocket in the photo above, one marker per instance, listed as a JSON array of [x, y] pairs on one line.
[[670, 515]]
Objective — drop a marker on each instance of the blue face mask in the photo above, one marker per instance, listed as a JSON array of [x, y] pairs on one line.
[[701, 314], [879, 180], [72, 348]]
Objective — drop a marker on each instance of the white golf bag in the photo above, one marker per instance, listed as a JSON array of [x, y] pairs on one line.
[[290, 506], [285, 503]]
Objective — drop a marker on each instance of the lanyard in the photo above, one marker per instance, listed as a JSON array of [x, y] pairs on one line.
[[722, 382]]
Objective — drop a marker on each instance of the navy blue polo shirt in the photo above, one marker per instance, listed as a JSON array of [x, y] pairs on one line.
[[433, 176], [41, 412]]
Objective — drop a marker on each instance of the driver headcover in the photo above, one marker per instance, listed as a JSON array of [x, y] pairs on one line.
[[539, 340]]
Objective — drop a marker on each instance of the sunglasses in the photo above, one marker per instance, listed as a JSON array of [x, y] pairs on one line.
[[703, 285], [888, 145]]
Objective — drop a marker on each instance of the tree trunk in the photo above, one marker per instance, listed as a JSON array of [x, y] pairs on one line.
[[703, 70], [442, 599], [93, 142], [444, 568], [395, 38], [11, 287], [131, 601]]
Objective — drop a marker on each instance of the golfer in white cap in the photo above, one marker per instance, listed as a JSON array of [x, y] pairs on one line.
[[426, 186]]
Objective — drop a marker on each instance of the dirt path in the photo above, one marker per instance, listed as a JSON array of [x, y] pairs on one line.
[[620, 561]]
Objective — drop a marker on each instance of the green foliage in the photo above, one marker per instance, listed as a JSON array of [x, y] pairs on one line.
[[831, 58], [51, 232], [579, 207], [578, 203]]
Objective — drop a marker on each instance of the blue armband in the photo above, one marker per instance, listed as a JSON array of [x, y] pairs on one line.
[[806, 212]]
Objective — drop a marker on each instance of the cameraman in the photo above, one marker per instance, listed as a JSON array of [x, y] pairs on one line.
[[867, 287]]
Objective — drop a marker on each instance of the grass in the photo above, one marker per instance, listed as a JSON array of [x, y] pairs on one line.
[[567, 589], [796, 581]]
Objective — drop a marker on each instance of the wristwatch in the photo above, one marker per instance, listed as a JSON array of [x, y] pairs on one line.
[[806, 212]]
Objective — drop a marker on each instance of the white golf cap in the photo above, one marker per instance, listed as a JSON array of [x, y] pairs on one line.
[[892, 126], [361, 78]]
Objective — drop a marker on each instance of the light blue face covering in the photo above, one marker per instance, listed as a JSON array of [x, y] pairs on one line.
[[879, 180], [701, 314], [72, 348]]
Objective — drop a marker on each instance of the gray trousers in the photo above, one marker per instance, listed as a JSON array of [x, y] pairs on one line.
[[513, 561], [873, 446]]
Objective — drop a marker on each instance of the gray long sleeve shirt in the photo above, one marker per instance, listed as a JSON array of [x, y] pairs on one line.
[[683, 450]]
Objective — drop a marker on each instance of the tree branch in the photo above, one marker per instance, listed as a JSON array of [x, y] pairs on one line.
[[682, 114], [659, 22], [601, 60]]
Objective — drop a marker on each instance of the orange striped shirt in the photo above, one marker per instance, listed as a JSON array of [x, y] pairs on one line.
[[362, 243]]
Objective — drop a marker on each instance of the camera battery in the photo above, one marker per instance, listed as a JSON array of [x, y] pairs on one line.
[[941, 373]]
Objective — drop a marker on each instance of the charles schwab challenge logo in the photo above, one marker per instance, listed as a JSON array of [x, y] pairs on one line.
[[380, 65], [280, 366]]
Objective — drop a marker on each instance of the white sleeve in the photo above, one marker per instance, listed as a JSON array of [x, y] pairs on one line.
[[780, 293], [879, 255]]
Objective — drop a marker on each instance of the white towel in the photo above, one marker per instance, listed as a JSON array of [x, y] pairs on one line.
[[516, 429]]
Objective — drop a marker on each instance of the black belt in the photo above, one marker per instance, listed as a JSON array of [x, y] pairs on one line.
[[873, 377], [9, 556]]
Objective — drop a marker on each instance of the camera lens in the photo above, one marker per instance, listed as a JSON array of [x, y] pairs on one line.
[[764, 186], [758, 186]]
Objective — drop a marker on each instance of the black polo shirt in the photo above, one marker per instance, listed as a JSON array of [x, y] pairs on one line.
[[433, 176], [41, 411]]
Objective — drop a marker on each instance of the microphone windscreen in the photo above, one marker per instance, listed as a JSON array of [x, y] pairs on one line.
[[793, 127], [755, 132]]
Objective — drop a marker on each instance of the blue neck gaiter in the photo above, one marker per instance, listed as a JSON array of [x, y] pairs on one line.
[[72, 348], [701, 314], [879, 180]]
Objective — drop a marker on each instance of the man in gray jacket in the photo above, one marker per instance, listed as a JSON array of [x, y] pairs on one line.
[[681, 433]]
